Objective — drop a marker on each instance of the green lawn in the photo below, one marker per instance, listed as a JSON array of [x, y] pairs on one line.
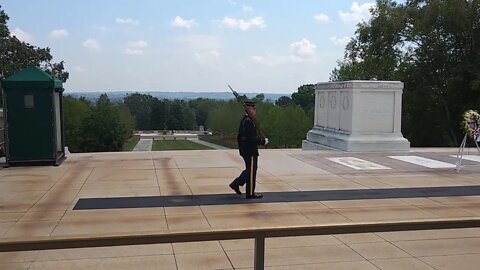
[[128, 146], [177, 145]]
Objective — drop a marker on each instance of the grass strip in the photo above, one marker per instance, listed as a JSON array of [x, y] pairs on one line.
[[131, 143]]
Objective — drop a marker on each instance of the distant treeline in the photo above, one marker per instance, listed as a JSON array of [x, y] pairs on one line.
[[105, 125], [118, 96]]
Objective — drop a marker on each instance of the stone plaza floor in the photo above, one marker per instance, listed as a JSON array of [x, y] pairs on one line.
[[341, 187]]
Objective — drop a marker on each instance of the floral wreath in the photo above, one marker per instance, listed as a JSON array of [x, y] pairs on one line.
[[470, 123]]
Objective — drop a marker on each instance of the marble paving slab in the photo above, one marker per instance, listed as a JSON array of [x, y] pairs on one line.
[[425, 162], [358, 164], [469, 157]]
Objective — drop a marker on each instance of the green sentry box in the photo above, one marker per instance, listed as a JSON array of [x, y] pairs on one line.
[[33, 115]]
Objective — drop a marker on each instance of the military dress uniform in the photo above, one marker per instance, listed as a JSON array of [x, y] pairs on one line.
[[248, 141]]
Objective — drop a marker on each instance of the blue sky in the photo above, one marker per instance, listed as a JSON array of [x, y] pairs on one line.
[[267, 46]]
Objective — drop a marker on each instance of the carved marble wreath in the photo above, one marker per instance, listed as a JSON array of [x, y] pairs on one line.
[[470, 123]]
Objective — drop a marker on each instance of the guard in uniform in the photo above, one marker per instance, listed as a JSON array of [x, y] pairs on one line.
[[248, 141]]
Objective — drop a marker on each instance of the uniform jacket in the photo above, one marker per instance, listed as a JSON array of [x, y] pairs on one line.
[[248, 138]]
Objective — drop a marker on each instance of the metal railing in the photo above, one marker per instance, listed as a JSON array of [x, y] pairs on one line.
[[259, 234]]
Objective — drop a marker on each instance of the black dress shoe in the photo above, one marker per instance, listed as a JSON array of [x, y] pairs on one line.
[[255, 196], [235, 188]]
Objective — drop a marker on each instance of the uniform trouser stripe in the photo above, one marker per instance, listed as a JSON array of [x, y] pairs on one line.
[[251, 175]]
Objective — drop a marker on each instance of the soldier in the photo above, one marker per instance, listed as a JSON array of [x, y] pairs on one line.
[[248, 141]]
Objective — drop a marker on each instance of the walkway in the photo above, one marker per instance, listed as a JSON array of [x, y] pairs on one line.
[[301, 188], [211, 145], [144, 145]]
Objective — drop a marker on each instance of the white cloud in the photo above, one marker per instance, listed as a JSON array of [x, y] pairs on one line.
[[58, 34], [182, 23], [79, 69], [135, 47], [232, 2], [303, 48], [256, 22], [208, 57], [91, 44], [247, 8], [357, 13], [138, 44], [341, 41], [274, 60], [321, 18], [21, 35], [303, 51], [131, 51], [197, 43], [128, 21]]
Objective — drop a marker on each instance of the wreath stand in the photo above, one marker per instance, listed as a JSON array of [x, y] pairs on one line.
[[459, 163]]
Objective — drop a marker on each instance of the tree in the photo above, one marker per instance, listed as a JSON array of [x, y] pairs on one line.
[[201, 107], [447, 68], [190, 118], [305, 97], [374, 53], [16, 55], [434, 48], [160, 112], [286, 126], [284, 101], [140, 105], [58, 70], [259, 98], [270, 118], [103, 129], [74, 111], [176, 118], [225, 119], [126, 118]]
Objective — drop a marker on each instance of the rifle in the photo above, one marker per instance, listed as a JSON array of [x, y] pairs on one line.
[[254, 120]]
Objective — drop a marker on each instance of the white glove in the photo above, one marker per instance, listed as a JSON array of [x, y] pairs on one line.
[[266, 141]]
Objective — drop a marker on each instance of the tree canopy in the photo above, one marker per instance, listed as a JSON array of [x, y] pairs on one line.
[[105, 128], [16, 55], [305, 96], [431, 46]]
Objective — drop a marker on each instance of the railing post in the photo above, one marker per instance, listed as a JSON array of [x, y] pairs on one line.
[[259, 260]]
